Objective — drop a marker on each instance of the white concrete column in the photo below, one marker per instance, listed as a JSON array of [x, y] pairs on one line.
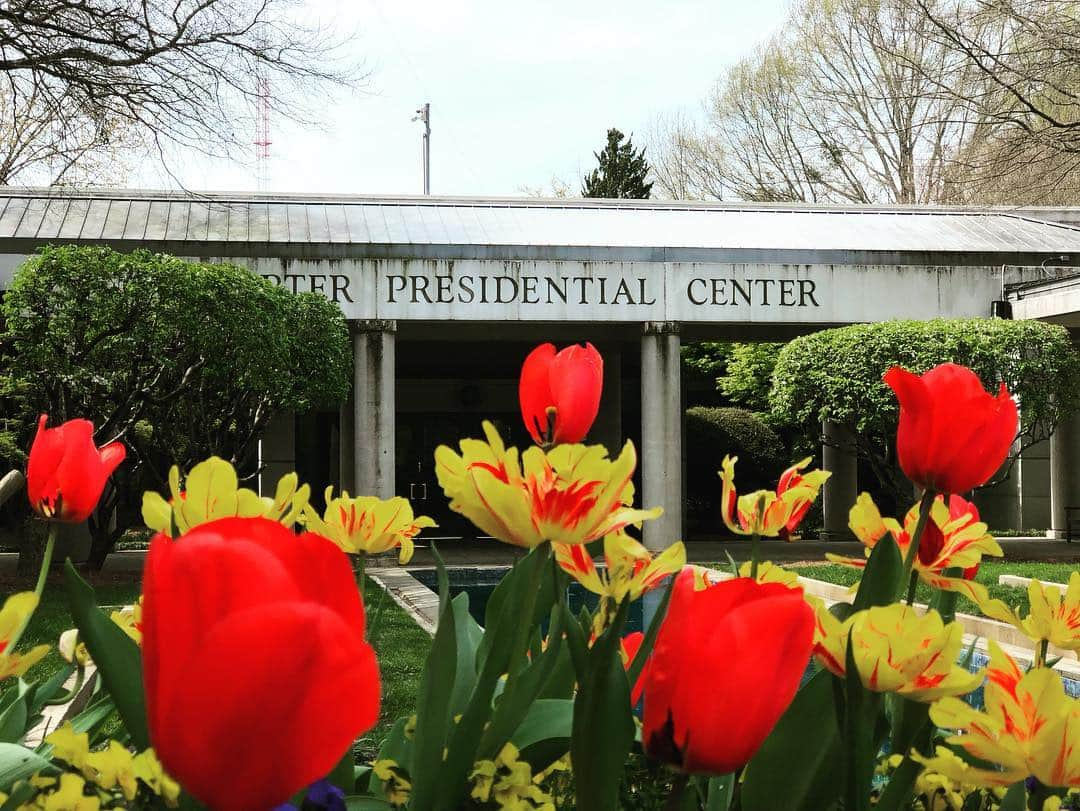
[[373, 408], [1064, 473], [661, 433], [842, 488]]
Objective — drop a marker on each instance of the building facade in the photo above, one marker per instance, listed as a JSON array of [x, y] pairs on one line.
[[445, 297]]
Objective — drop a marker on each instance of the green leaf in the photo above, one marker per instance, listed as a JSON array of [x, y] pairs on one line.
[[506, 638], [720, 792], [508, 597], [910, 724], [19, 763], [603, 728], [860, 744], [881, 578], [342, 774], [810, 775], [522, 690], [469, 636], [91, 719], [49, 689], [1015, 798], [433, 711], [20, 795], [13, 721], [442, 579], [544, 736], [118, 658], [395, 747]]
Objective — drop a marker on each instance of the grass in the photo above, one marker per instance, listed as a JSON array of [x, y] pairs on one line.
[[399, 642], [988, 576]]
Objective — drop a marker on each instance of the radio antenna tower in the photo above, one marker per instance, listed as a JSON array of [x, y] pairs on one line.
[[262, 131]]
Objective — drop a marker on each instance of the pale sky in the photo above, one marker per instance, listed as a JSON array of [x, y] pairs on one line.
[[519, 92]]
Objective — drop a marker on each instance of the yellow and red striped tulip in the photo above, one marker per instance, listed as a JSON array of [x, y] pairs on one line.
[[13, 618], [769, 513], [1029, 727], [367, 525], [571, 494], [1053, 617], [954, 537], [630, 570], [212, 491], [896, 650]]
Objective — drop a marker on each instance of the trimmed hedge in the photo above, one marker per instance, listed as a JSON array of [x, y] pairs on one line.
[[710, 434]]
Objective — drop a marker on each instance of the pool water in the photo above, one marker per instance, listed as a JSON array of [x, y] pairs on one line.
[[479, 583]]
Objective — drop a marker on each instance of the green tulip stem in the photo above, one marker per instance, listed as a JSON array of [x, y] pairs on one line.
[[46, 562], [913, 582], [1040, 652], [755, 539], [925, 505], [361, 567], [678, 787]]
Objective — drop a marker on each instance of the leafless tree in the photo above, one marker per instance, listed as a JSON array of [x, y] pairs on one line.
[[179, 73], [46, 143], [837, 107], [1026, 54]]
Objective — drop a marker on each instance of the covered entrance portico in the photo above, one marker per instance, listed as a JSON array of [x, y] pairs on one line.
[[445, 296]]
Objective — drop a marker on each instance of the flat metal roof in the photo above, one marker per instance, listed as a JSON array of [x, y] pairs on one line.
[[309, 226]]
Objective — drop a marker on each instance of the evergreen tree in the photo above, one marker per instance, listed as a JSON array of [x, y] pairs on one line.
[[621, 172]]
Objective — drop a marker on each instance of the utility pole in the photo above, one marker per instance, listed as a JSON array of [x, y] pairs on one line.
[[423, 113]]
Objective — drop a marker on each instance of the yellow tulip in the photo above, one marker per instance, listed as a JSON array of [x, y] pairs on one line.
[[1029, 727], [367, 525], [630, 571], [13, 618], [953, 538], [571, 494], [769, 513], [212, 491], [896, 650], [129, 618]]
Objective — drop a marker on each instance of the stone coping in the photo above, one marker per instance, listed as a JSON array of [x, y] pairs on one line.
[[412, 596], [1016, 581]]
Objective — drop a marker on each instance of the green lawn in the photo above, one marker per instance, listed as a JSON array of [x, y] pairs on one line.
[[399, 642], [988, 575]]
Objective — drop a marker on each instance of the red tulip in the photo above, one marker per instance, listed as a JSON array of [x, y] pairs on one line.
[[560, 393], [257, 675], [727, 663], [66, 472], [630, 645], [953, 435]]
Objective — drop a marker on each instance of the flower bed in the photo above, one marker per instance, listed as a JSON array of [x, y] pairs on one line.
[[245, 675]]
